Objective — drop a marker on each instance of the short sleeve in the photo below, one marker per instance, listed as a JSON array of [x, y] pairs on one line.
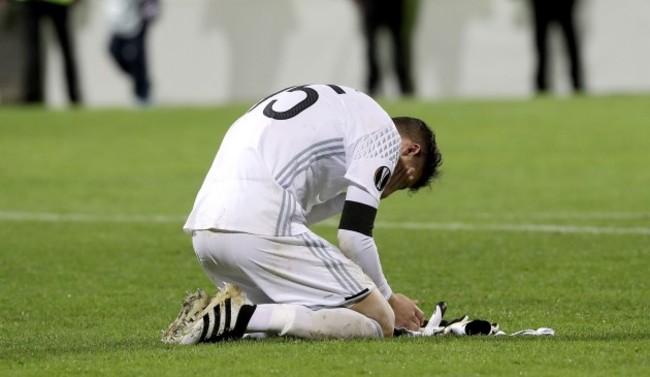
[[373, 159]]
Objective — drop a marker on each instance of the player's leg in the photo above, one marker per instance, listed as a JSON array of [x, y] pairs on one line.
[[303, 287], [303, 283], [376, 307], [303, 322], [229, 316]]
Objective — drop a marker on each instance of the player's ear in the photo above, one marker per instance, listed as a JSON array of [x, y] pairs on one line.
[[413, 149]]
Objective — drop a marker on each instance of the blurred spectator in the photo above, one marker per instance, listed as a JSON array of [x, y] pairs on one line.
[[58, 11], [561, 12], [11, 52], [398, 17], [129, 21]]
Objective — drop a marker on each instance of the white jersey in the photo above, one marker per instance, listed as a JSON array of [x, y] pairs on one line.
[[293, 154]]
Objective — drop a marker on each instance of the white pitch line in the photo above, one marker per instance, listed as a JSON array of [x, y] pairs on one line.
[[468, 227], [564, 215], [85, 218], [542, 228]]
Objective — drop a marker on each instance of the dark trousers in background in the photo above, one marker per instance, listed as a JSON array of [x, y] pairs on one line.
[[130, 55], [561, 12], [35, 12], [394, 15]]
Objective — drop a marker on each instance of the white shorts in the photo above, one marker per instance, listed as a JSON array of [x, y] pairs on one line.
[[304, 269]]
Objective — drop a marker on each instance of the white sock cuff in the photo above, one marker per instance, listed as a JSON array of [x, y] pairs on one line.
[[284, 315], [277, 318]]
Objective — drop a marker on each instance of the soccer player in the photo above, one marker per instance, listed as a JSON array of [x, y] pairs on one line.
[[295, 158]]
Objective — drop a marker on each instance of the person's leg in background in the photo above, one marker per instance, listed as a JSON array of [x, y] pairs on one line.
[[541, 18], [116, 48], [129, 53], [401, 27], [33, 74], [566, 18], [139, 68], [371, 25], [61, 20]]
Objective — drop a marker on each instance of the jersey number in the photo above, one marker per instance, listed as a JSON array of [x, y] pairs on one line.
[[312, 97]]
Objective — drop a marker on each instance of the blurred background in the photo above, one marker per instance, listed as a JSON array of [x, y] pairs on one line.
[[204, 52]]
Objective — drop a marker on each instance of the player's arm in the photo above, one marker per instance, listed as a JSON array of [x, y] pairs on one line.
[[325, 210], [355, 236], [357, 243]]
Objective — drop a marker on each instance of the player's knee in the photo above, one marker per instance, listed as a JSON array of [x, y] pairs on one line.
[[387, 322], [375, 307]]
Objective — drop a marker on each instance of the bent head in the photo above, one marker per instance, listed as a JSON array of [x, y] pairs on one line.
[[420, 158]]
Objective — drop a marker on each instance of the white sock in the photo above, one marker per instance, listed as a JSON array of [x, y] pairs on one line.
[[302, 322]]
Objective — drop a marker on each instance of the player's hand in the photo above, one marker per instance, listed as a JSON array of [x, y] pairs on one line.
[[407, 313], [403, 177]]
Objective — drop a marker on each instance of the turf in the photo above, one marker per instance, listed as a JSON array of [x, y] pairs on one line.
[[541, 218]]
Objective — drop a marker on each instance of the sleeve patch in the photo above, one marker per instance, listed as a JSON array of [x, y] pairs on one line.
[[382, 176]]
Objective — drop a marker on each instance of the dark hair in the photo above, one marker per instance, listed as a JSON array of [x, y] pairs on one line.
[[418, 131]]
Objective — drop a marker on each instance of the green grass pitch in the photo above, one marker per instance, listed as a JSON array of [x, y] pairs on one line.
[[541, 218]]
